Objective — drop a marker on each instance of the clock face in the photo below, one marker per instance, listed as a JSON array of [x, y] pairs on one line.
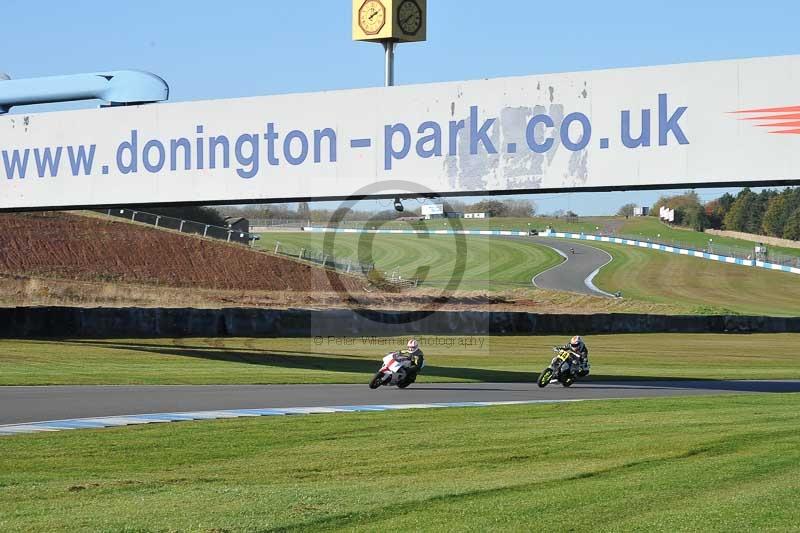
[[372, 17], [409, 17]]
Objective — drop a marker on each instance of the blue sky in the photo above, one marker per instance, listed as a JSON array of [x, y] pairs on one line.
[[210, 49]]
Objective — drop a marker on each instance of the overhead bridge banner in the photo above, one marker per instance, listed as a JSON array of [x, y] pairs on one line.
[[680, 125]]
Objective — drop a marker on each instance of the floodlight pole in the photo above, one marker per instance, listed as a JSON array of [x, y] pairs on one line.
[[388, 47]]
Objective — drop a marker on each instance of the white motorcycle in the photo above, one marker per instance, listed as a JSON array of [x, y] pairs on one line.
[[396, 370]]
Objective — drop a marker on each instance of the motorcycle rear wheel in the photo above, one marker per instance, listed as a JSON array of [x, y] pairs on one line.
[[545, 377], [567, 382], [376, 381]]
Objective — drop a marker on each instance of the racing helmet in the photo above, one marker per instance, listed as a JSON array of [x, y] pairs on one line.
[[576, 343], [412, 345]]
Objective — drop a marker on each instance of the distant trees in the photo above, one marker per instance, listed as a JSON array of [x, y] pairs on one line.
[[520, 208], [689, 211], [769, 212], [626, 210], [206, 215], [493, 208], [791, 230]]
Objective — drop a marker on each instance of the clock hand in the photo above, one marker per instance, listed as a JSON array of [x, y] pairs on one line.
[[373, 14], [408, 18]]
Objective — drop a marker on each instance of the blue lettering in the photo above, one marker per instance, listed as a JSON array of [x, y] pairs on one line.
[[46, 161], [200, 151], [271, 136], [174, 144], [319, 135], [16, 166], [434, 137], [479, 135], [586, 133], [389, 153], [666, 125], [287, 147], [644, 138], [213, 143], [79, 159], [148, 148], [250, 160], [530, 134], [131, 147], [455, 127]]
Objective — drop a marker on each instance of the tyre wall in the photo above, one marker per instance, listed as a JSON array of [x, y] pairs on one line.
[[71, 322]]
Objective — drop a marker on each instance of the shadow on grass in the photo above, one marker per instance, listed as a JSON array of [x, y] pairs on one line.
[[320, 361], [313, 361]]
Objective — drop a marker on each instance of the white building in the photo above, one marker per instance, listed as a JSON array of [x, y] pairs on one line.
[[430, 211]]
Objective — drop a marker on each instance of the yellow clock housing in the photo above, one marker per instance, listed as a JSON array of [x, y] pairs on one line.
[[402, 21]]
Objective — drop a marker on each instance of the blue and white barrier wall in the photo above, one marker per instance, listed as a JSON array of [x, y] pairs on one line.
[[674, 250], [577, 236]]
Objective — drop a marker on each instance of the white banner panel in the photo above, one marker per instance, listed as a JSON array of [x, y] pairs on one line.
[[681, 125]]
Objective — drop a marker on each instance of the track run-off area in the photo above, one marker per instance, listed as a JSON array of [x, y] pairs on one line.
[[26, 405], [679, 284]]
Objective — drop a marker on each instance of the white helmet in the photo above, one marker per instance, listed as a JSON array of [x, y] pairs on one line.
[[412, 345], [576, 342]]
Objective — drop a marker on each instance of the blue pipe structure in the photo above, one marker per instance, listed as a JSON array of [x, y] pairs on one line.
[[120, 87]]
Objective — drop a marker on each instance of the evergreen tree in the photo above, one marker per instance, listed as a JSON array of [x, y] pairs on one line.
[[791, 230], [738, 216], [778, 211]]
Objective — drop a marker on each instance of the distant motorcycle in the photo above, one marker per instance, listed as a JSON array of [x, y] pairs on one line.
[[396, 370], [562, 369]]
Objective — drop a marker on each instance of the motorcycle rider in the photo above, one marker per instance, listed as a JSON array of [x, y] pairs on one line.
[[415, 355], [581, 358]]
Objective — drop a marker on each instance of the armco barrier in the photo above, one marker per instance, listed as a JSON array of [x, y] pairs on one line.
[[581, 237], [674, 250], [71, 322]]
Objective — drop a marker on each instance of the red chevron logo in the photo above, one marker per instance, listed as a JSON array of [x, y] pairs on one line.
[[783, 120]]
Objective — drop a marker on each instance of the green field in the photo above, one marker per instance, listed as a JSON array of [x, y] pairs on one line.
[[584, 224], [697, 285], [641, 227], [488, 263], [651, 227], [661, 277], [724, 463], [448, 359]]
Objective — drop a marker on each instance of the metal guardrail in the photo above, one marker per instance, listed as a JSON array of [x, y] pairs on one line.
[[347, 266], [184, 226], [323, 259], [737, 252]]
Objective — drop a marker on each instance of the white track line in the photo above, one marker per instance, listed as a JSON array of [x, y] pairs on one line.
[[156, 418], [559, 252], [588, 281]]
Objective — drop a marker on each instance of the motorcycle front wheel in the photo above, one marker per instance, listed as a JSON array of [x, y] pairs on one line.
[[545, 377], [376, 381]]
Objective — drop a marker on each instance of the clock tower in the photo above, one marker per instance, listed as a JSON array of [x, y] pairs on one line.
[[389, 22], [401, 21]]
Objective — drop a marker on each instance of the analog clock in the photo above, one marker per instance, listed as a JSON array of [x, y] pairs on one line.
[[409, 17], [372, 17]]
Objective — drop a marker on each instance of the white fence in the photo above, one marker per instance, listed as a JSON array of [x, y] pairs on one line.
[[580, 236]]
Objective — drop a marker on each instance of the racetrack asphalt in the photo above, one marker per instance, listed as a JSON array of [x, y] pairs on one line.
[[34, 404], [574, 274]]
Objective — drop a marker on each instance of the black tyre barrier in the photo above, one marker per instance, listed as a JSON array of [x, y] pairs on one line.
[[131, 322]]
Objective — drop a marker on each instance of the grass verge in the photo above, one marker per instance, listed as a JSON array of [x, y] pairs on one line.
[[728, 463], [707, 287], [354, 360], [486, 263]]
